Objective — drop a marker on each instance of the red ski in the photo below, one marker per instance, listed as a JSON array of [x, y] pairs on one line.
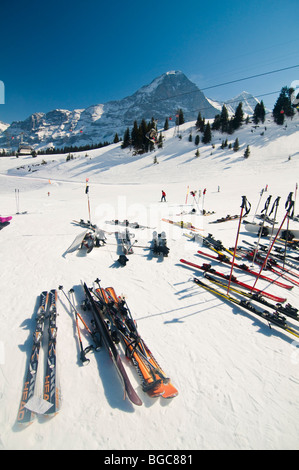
[[208, 267], [243, 267]]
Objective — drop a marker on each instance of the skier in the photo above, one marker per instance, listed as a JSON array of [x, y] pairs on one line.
[[163, 198]]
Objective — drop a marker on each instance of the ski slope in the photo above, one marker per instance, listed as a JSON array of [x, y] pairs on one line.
[[238, 379]]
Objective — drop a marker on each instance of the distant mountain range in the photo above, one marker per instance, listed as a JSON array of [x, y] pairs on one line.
[[99, 123]]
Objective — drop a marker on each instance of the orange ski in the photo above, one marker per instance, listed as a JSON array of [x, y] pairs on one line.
[[155, 381]]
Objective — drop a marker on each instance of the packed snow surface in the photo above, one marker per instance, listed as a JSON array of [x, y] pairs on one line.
[[238, 379]]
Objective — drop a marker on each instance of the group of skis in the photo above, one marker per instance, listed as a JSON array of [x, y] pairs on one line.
[[125, 240], [117, 331], [281, 263], [112, 326]]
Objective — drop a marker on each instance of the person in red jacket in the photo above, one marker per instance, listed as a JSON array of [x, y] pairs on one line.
[[163, 198]]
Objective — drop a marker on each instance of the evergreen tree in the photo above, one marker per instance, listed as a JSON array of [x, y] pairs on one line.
[[180, 118], [259, 113], [127, 139], [136, 137], [207, 135], [216, 123], [238, 117], [116, 138], [166, 125], [160, 141], [196, 141], [283, 106], [236, 145], [247, 152], [199, 121], [224, 119]]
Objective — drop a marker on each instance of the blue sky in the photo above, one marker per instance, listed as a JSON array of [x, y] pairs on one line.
[[71, 54]]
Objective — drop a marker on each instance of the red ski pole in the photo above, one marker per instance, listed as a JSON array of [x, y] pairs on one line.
[[289, 206]]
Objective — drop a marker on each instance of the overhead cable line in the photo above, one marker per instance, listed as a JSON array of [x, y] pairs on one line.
[[230, 82], [250, 77]]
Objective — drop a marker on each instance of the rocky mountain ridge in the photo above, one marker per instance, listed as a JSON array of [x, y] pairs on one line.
[[99, 123]]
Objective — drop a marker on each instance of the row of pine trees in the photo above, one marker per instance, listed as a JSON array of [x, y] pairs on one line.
[[284, 107], [137, 139]]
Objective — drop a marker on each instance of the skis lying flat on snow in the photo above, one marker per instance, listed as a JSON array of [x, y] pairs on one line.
[[210, 242], [183, 224], [287, 309], [86, 224], [126, 223], [276, 318], [51, 390], [288, 234], [154, 380], [99, 318], [225, 219], [272, 265], [50, 404], [243, 267], [124, 239], [25, 416], [278, 252], [208, 268]]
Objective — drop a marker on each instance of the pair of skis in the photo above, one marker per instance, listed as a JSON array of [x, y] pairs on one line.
[[51, 399], [154, 380], [287, 309], [125, 241], [114, 320], [183, 224], [274, 317], [207, 267], [243, 267]]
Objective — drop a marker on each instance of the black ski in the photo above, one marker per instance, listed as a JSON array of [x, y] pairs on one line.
[[86, 224], [25, 416], [243, 267], [126, 223], [276, 318], [51, 390], [103, 328], [287, 309]]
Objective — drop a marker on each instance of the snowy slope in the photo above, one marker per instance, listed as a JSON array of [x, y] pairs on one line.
[[237, 378]]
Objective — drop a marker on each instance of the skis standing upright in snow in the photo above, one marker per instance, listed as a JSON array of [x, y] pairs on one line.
[[159, 244]]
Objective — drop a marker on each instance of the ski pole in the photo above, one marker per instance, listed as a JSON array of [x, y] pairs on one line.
[[295, 197], [98, 343], [83, 351], [17, 197], [187, 194], [261, 194], [262, 227], [88, 203], [247, 209], [275, 205], [289, 205]]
